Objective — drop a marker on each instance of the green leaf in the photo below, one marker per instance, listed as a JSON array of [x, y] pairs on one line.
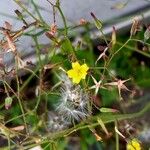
[[89, 139], [67, 46], [108, 96], [105, 110]]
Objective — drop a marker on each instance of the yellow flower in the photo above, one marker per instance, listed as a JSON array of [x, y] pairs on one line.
[[77, 72], [134, 145]]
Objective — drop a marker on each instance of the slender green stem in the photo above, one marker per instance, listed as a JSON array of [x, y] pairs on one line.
[[18, 92], [39, 94], [117, 137], [48, 145], [6, 89], [38, 50], [97, 68], [29, 79], [63, 18], [40, 71], [134, 49], [104, 37], [26, 10], [90, 45], [37, 11], [12, 119], [125, 45], [116, 52], [137, 40], [9, 146], [107, 118], [40, 22], [32, 72], [4, 82]]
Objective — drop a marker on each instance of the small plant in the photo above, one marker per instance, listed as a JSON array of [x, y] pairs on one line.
[[72, 91]]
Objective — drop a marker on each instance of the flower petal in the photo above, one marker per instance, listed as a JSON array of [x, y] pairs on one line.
[[77, 72], [71, 73], [84, 67], [83, 75], [76, 79], [76, 65], [136, 144]]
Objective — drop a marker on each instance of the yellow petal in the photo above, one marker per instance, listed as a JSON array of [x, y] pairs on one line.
[[83, 75], [71, 73], [84, 67], [76, 79], [130, 147], [136, 144], [76, 65], [77, 72]]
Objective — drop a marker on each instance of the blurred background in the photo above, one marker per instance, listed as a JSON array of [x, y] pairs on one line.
[[132, 62]]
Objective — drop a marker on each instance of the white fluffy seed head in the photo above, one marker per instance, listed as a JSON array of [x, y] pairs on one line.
[[73, 104], [56, 122]]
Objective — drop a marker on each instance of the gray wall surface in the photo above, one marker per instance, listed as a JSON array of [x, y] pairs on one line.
[[73, 10]]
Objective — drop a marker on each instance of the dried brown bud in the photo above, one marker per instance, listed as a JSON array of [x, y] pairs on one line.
[[135, 27], [83, 21], [53, 29]]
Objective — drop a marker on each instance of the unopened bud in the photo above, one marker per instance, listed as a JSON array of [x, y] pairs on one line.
[[8, 102], [98, 23]]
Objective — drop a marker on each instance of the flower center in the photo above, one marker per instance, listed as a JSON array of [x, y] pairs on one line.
[[79, 72]]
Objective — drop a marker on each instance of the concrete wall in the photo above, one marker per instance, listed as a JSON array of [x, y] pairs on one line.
[[74, 10]]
